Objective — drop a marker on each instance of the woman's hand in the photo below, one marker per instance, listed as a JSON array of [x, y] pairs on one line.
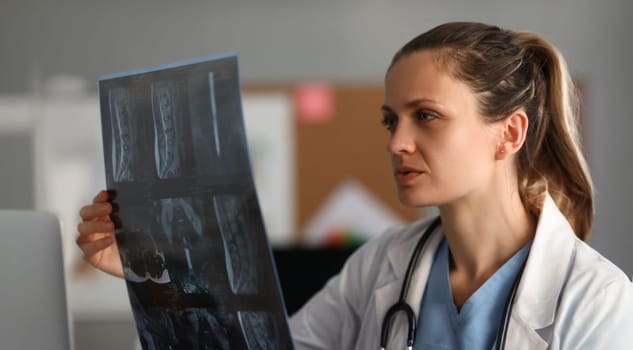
[[96, 236]]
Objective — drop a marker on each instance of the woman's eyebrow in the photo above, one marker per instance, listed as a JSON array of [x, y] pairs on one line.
[[386, 109], [411, 104]]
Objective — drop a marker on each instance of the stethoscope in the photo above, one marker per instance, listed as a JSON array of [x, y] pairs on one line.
[[401, 304]]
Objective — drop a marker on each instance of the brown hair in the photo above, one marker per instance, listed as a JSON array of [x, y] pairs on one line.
[[510, 70]]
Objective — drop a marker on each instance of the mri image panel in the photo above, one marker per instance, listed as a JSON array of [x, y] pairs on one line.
[[205, 132], [142, 258], [123, 129], [146, 266], [218, 138], [167, 115], [240, 244], [183, 329], [180, 221], [260, 330]]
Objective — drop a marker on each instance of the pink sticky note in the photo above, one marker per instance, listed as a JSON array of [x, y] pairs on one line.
[[314, 102]]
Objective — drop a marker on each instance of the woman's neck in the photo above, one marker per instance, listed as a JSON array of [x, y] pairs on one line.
[[483, 232]]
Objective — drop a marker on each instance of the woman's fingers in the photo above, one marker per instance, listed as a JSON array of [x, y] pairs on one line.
[[91, 248], [101, 197], [95, 211], [96, 235], [90, 227], [100, 209]]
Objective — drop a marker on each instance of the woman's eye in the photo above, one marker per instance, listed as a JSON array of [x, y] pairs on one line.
[[425, 116], [390, 122]]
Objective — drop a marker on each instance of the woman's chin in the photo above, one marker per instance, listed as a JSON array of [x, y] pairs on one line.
[[411, 199]]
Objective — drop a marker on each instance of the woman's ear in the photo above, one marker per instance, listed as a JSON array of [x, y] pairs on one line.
[[513, 133]]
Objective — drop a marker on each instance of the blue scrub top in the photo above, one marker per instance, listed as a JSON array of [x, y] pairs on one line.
[[441, 326]]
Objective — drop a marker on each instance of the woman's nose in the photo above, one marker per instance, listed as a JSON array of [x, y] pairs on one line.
[[402, 140]]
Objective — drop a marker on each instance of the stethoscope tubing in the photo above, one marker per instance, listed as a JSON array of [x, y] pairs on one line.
[[402, 306]]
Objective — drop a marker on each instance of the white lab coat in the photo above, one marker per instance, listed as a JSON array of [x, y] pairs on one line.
[[569, 297]]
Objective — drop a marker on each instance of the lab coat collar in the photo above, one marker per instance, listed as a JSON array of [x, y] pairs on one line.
[[544, 278]]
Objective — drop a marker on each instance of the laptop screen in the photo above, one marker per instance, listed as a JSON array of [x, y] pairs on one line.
[[33, 307]]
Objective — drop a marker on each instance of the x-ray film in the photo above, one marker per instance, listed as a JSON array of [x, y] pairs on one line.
[[191, 238]]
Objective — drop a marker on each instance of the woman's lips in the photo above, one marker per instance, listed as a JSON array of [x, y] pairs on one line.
[[407, 175]]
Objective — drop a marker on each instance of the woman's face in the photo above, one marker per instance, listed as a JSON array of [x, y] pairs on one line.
[[441, 149]]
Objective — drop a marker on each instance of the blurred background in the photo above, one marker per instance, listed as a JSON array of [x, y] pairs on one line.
[[311, 73]]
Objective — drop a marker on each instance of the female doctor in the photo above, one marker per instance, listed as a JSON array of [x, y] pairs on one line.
[[482, 124]]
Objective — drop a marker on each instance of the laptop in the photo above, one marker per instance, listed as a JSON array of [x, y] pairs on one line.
[[33, 307], [195, 255]]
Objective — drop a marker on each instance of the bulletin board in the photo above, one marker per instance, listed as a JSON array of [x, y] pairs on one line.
[[350, 142]]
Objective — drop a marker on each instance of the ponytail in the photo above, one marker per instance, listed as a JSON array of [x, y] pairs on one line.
[[552, 159]]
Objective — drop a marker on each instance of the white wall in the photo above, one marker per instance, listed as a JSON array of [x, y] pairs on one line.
[[287, 40]]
